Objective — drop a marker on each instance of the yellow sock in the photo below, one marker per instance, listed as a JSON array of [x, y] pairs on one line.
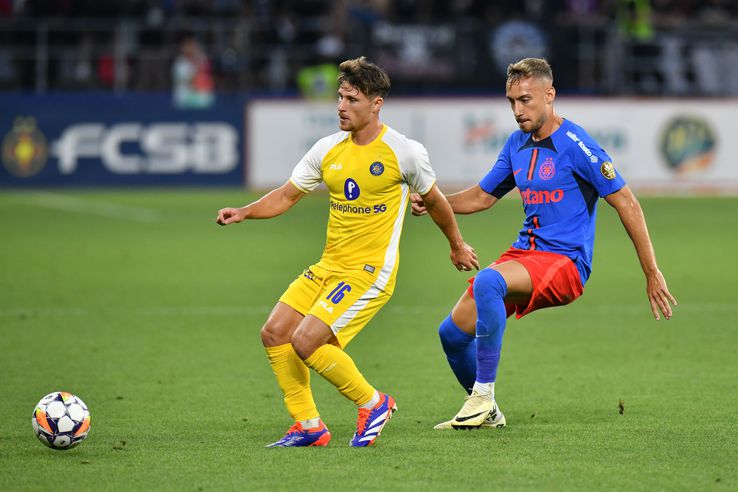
[[337, 367], [293, 377]]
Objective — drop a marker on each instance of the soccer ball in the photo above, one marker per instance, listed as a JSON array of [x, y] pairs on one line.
[[61, 420]]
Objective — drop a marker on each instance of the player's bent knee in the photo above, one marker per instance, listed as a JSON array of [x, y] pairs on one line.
[[304, 344], [445, 332], [464, 314], [489, 284], [275, 333], [453, 338]]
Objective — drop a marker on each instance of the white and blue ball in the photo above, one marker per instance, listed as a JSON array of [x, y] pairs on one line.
[[61, 420]]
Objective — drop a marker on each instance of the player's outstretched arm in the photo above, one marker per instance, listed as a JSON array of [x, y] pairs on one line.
[[274, 203], [631, 215], [463, 256], [469, 201]]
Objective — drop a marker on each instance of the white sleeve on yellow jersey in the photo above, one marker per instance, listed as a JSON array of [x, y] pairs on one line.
[[413, 160], [308, 173]]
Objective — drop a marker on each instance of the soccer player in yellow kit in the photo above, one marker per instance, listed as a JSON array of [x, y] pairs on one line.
[[369, 169]]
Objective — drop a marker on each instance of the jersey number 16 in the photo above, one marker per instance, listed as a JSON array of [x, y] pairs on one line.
[[337, 294]]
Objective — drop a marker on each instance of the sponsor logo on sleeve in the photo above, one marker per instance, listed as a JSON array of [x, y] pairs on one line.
[[585, 149], [608, 170]]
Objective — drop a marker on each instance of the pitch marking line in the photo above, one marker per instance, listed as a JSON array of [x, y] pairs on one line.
[[108, 210]]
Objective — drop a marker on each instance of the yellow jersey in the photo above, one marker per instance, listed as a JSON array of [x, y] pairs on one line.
[[369, 188]]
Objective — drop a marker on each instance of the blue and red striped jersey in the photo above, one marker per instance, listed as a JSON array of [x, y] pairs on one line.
[[560, 179]]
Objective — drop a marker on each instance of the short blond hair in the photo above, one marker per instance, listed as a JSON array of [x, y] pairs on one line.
[[365, 76], [529, 67]]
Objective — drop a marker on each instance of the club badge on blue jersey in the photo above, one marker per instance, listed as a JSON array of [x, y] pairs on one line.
[[351, 189], [377, 168], [547, 169]]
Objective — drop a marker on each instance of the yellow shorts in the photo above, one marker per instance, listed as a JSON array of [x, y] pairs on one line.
[[345, 301]]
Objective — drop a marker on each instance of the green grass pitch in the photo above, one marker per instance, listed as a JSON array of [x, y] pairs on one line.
[[141, 305]]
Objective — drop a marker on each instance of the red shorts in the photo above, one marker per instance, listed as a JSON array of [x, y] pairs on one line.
[[555, 277]]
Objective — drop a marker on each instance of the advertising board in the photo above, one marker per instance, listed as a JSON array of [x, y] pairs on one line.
[[131, 140], [660, 145]]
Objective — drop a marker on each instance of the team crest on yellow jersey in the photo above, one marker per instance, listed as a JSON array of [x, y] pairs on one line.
[[24, 148], [377, 168]]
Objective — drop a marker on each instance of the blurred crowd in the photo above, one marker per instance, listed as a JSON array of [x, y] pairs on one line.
[[405, 11], [668, 47]]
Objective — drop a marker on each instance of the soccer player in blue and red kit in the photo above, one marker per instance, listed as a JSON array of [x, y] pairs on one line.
[[561, 172]]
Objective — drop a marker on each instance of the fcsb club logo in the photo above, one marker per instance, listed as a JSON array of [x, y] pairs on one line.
[[24, 148], [547, 169]]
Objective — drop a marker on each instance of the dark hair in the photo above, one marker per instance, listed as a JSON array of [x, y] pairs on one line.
[[364, 76], [529, 67]]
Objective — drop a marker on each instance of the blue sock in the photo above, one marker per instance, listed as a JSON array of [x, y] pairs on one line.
[[461, 352], [489, 293]]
